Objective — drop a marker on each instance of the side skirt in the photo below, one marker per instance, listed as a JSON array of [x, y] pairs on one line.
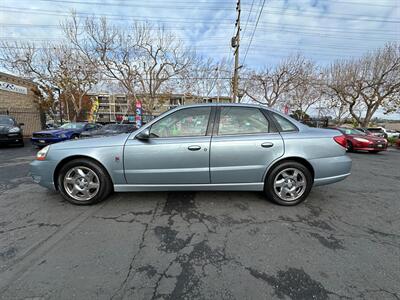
[[259, 186]]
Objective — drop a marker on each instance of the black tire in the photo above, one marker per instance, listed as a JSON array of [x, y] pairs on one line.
[[105, 183], [21, 144], [350, 147], [272, 195], [374, 151], [74, 136]]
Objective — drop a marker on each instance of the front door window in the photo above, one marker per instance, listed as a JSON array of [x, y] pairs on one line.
[[184, 122]]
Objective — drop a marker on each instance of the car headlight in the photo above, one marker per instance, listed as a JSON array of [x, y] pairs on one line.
[[362, 140], [62, 135], [42, 153], [14, 130]]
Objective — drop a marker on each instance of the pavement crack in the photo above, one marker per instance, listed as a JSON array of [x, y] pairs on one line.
[[132, 262]]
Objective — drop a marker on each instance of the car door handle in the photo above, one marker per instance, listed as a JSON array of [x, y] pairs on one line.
[[194, 148], [267, 145]]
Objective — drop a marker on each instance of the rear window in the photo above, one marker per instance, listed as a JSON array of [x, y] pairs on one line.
[[284, 124], [375, 129]]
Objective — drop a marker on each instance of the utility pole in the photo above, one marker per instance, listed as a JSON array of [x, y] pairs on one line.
[[235, 44]]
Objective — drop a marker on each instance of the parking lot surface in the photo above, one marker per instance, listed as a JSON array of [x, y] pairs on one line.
[[342, 243]]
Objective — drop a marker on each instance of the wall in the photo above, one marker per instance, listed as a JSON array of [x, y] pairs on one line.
[[17, 100]]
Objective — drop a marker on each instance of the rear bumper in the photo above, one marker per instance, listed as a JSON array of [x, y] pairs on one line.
[[331, 169]]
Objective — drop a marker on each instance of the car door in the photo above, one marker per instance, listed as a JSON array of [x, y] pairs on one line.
[[244, 143], [177, 151]]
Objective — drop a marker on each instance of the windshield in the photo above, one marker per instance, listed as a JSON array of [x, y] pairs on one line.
[[6, 121], [351, 131], [73, 126]]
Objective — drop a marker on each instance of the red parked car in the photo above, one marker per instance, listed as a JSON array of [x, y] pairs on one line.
[[361, 141]]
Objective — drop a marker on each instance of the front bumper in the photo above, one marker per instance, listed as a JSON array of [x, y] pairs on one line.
[[11, 138], [42, 172], [373, 148], [46, 141]]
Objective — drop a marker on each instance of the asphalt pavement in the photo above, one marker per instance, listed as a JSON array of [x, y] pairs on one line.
[[342, 243]]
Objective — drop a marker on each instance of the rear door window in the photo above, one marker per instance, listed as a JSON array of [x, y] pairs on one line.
[[242, 120], [284, 124]]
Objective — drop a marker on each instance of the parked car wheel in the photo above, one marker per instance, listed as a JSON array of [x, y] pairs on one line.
[[350, 146], [373, 151], [289, 183], [83, 182], [74, 136]]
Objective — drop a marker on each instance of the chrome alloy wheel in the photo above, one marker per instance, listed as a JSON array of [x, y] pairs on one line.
[[81, 183], [290, 184]]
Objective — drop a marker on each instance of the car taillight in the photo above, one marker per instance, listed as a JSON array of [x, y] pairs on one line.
[[341, 140]]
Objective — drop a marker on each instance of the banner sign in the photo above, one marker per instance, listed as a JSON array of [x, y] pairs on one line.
[[9, 87], [286, 109], [138, 117]]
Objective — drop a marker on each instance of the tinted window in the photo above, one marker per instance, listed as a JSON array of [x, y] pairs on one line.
[[242, 120], [185, 122], [284, 124], [375, 130], [91, 126], [73, 126]]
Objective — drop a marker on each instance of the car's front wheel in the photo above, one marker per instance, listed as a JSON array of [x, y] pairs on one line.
[[288, 183], [83, 182]]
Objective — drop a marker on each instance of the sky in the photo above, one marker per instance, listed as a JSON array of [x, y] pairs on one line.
[[322, 30]]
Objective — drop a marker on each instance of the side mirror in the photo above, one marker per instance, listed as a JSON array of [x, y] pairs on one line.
[[143, 135], [21, 124]]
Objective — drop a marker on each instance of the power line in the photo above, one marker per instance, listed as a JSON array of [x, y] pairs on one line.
[[266, 25], [284, 13], [248, 17], [252, 36]]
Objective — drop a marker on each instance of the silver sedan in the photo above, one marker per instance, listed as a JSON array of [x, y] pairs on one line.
[[239, 147]]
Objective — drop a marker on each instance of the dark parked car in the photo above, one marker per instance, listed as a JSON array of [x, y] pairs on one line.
[[67, 131], [377, 131], [109, 129], [10, 131], [358, 140]]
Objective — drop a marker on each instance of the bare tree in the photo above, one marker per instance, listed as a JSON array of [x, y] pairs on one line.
[[141, 57], [270, 85], [205, 78], [369, 83], [57, 69], [304, 91]]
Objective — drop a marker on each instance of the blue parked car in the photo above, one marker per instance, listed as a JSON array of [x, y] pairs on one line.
[[67, 131]]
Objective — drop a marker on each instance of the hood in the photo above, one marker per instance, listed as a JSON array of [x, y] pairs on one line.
[[56, 131], [108, 141], [53, 131], [5, 128]]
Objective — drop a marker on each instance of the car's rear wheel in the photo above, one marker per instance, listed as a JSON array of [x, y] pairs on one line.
[[288, 183], [74, 136], [83, 182]]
